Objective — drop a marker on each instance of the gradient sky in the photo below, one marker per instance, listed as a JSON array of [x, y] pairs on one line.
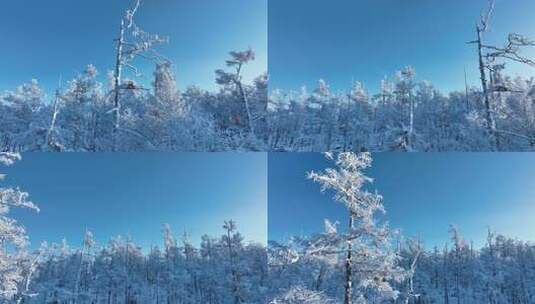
[[46, 39], [342, 40], [135, 193], [423, 194]]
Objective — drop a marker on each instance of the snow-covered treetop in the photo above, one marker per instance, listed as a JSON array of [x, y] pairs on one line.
[[348, 180], [13, 197], [7, 158], [230, 225], [237, 60], [302, 295], [241, 57], [323, 90]]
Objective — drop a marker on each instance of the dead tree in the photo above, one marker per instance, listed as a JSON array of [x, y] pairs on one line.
[[481, 27], [488, 55], [132, 43]]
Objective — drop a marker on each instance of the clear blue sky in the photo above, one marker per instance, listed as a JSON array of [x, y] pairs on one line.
[[341, 40], [423, 194], [135, 193], [43, 39]]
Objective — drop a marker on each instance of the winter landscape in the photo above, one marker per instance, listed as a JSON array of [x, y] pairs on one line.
[[205, 259], [359, 258], [140, 107], [78, 245], [111, 111], [481, 54]]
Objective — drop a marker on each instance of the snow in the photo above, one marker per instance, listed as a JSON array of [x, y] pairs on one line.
[[313, 269], [405, 115], [364, 262], [82, 117]]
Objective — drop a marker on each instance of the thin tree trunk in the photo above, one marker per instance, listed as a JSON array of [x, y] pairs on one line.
[[117, 83], [79, 276], [247, 108], [488, 111], [53, 121], [411, 121], [235, 288], [348, 268], [245, 100]]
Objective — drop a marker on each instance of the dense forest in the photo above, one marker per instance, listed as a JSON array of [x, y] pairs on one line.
[[219, 270], [363, 262], [502, 271], [80, 118], [406, 115]]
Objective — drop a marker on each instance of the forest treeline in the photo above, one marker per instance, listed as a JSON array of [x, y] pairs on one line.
[[406, 115], [164, 119], [364, 261], [125, 115], [221, 269], [81, 117], [501, 272]]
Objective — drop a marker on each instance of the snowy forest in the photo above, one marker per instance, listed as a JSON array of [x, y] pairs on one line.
[[411, 115], [222, 269], [125, 115], [366, 261]]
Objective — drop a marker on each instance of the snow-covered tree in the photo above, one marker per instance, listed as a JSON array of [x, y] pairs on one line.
[[179, 273], [237, 61], [16, 263], [365, 244], [301, 295], [132, 42]]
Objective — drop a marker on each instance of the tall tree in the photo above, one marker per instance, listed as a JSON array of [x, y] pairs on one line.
[[132, 43], [14, 276], [368, 255], [238, 59], [488, 55]]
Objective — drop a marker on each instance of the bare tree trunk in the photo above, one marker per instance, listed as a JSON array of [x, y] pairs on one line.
[[79, 276], [319, 278], [411, 121], [117, 83], [445, 274], [488, 111], [466, 92], [245, 100], [348, 268], [247, 108], [28, 279], [53, 121]]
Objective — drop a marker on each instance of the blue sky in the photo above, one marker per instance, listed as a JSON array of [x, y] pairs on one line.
[[46, 39], [423, 194], [135, 193], [341, 40]]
